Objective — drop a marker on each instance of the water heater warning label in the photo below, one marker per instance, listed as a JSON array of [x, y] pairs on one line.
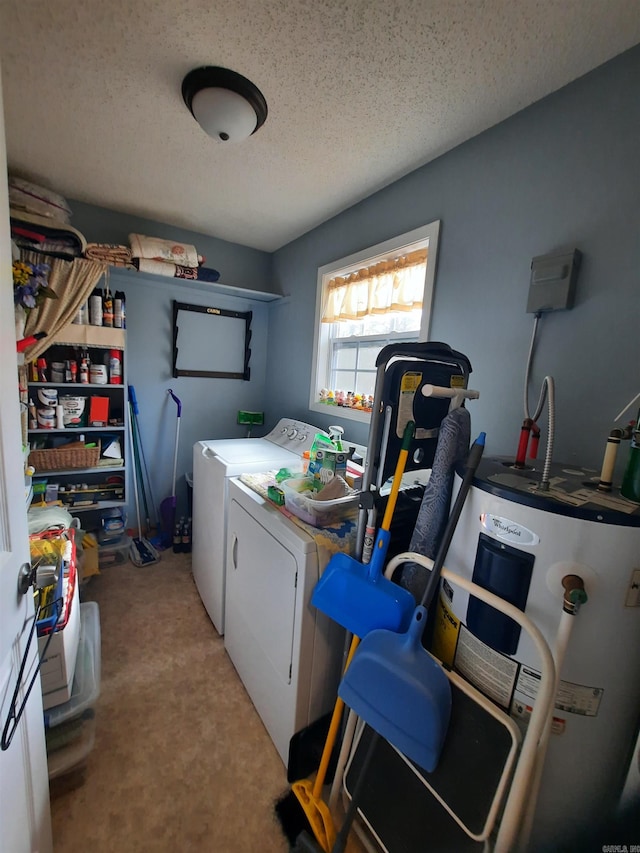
[[491, 672], [572, 698]]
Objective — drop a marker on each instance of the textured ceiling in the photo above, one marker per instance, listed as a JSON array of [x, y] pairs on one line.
[[360, 92]]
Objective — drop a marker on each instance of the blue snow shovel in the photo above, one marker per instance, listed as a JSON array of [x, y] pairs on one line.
[[393, 683]]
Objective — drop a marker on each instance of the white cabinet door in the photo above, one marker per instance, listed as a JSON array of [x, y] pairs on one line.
[[260, 621]]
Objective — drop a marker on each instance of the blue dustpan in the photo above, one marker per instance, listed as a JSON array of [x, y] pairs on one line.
[[359, 597], [401, 692], [394, 684]]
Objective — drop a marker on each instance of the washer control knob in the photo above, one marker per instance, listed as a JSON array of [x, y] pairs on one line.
[[292, 433], [302, 436]]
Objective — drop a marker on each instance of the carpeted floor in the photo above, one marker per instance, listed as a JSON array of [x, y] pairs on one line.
[[181, 761]]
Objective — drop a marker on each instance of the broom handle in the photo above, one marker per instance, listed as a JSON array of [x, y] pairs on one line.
[[133, 468], [386, 523], [345, 829], [473, 460], [178, 403], [397, 477], [333, 731]]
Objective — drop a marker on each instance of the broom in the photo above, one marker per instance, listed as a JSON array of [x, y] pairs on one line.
[[302, 809], [141, 551]]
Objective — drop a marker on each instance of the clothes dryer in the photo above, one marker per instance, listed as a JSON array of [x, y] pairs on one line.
[[288, 655]]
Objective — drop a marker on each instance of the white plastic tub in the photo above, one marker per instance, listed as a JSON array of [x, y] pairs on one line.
[[299, 500], [86, 682]]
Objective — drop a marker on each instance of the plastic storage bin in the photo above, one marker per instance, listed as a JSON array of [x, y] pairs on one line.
[[86, 681], [74, 753], [299, 501], [114, 553], [71, 727]]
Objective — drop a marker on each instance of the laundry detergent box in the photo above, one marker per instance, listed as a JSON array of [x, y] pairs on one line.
[[327, 465]]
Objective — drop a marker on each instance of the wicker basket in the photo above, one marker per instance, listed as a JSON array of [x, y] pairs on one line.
[[61, 458]]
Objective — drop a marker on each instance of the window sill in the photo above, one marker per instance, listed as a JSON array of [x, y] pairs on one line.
[[341, 412]]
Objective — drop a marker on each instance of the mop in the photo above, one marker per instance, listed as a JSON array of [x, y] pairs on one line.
[[168, 505], [141, 551]]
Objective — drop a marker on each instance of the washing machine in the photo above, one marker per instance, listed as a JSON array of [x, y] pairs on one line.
[[214, 463], [288, 655]]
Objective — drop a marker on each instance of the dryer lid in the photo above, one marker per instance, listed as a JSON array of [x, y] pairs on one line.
[[240, 451]]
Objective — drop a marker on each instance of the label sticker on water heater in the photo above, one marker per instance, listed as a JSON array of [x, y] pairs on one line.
[[571, 698], [508, 531]]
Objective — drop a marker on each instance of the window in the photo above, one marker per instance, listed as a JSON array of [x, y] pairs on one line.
[[364, 302]]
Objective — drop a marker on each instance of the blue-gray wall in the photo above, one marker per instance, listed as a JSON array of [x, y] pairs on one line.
[[563, 173], [210, 406]]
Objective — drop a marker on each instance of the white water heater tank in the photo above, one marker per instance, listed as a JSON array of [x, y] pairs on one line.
[[520, 542]]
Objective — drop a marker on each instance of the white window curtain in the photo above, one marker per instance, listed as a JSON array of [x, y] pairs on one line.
[[386, 287]]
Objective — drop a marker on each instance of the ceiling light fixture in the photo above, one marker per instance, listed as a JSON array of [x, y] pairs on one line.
[[225, 104]]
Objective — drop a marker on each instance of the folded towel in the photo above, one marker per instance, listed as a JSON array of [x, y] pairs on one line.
[[208, 274], [153, 248], [165, 268], [108, 253], [30, 197], [175, 270], [44, 234]]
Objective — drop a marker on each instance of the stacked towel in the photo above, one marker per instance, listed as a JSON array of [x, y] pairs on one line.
[[46, 235], [175, 270], [108, 253], [153, 248], [169, 258]]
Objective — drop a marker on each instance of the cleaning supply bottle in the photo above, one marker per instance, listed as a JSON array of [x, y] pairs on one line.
[[33, 418], [107, 308], [82, 315], [95, 307], [115, 367], [118, 310]]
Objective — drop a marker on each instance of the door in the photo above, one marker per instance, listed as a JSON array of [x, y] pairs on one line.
[[260, 622], [24, 790]]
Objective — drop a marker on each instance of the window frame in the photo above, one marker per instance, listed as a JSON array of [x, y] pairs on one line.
[[425, 234]]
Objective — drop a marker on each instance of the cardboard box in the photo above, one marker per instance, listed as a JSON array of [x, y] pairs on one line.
[[328, 464], [58, 667], [98, 411]]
